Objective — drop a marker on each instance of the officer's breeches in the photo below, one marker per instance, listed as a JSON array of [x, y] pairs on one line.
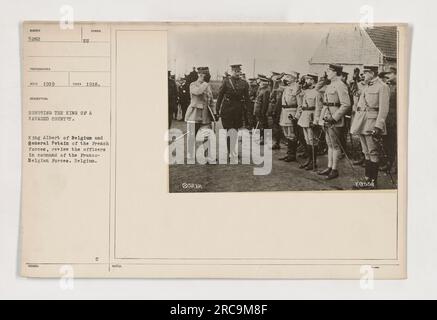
[[250, 115], [309, 136], [195, 134], [277, 130], [290, 132], [262, 122], [333, 138], [332, 135], [370, 148], [390, 143]]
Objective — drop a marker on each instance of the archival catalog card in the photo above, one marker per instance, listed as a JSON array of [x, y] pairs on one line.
[[214, 150]]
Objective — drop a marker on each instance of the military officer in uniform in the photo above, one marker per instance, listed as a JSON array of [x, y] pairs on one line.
[[336, 103], [184, 96], [172, 98], [357, 85], [261, 105], [199, 113], [390, 140], [347, 118], [301, 143], [308, 115], [370, 122], [275, 108], [273, 79], [231, 102], [253, 88], [291, 100]]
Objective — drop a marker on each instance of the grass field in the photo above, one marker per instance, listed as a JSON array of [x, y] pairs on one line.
[[283, 177]]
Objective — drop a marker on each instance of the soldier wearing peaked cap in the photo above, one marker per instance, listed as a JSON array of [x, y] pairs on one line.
[[261, 105], [253, 88], [172, 98], [291, 100], [275, 108], [345, 129], [336, 103], [231, 102], [370, 122], [199, 113], [390, 140], [308, 115]]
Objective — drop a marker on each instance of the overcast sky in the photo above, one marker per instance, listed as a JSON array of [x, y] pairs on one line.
[[277, 48]]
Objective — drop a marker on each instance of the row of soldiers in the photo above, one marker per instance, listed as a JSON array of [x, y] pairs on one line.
[[310, 111], [316, 113]]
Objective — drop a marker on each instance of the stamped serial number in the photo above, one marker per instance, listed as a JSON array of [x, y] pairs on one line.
[[192, 186]]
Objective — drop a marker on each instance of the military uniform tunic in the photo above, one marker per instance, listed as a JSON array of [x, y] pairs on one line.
[[201, 103], [253, 89], [336, 102], [291, 99], [310, 110], [372, 108], [309, 113], [232, 98]]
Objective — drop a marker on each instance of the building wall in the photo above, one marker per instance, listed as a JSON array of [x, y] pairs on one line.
[[348, 46]]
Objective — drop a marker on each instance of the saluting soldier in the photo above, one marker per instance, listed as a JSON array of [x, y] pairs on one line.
[[262, 105], [199, 113], [231, 101], [253, 88], [370, 122], [291, 100], [336, 103], [308, 115]]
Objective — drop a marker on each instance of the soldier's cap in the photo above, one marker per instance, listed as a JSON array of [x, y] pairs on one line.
[[252, 79], [383, 74], [236, 66], [203, 70], [336, 67], [277, 75], [312, 76], [373, 69], [344, 74], [293, 74], [263, 78], [393, 70]]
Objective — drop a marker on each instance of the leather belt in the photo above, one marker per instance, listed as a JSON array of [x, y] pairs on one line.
[[332, 104], [289, 107], [367, 109], [308, 108]]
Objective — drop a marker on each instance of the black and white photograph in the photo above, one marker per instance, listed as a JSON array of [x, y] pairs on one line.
[[282, 108]]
